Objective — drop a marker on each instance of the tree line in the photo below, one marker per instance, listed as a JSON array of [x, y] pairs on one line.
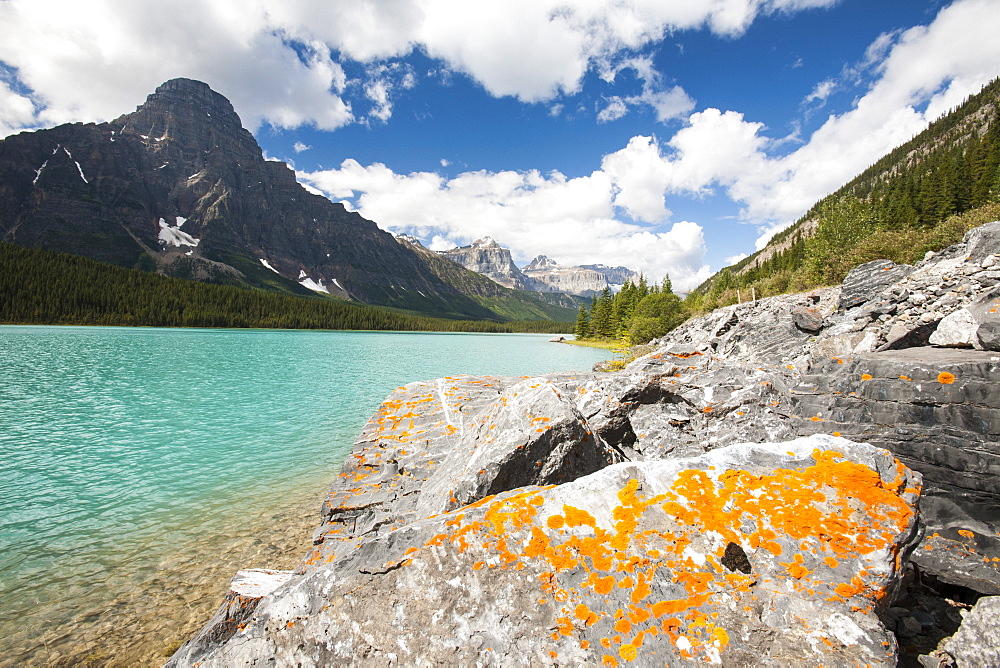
[[922, 196], [43, 287], [636, 314]]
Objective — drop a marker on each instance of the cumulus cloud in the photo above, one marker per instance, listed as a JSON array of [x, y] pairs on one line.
[[530, 212], [920, 75], [298, 147], [620, 213], [283, 61], [822, 91]]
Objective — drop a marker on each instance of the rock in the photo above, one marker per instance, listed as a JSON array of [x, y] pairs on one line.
[[908, 627], [807, 319], [639, 561], [434, 446], [557, 339], [246, 590], [957, 330], [867, 280], [977, 642], [982, 242]]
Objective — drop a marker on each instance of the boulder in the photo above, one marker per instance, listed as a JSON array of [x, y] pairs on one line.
[[866, 281], [434, 446], [807, 319], [775, 553], [977, 642]]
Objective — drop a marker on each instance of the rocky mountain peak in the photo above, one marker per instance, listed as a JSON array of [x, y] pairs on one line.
[[541, 263], [485, 242], [188, 115]]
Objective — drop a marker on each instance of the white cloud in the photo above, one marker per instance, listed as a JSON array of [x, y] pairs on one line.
[[717, 150], [274, 59], [919, 68], [822, 91], [615, 109], [733, 259], [298, 147], [16, 111], [531, 213], [668, 103]]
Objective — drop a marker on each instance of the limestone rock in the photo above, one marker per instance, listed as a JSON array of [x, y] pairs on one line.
[[749, 554], [434, 446], [867, 280], [807, 319], [977, 642]]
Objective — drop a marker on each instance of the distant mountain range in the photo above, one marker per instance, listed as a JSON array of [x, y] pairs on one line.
[[542, 274], [180, 187]]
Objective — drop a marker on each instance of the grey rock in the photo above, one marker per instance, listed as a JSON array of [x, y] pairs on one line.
[[866, 281], [908, 627], [977, 642], [807, 319], [982, 242], [628, 562], [956, 330], [433, 446]]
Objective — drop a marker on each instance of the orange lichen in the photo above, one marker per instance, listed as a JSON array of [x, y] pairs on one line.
[[966, 533], [627, 652], [827, 507], [946, 378], [866, 376]]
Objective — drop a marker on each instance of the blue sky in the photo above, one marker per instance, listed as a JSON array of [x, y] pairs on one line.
[[670, 137]]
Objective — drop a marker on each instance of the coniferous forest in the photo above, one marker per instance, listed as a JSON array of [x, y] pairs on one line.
[[42, 287], [922, 196]]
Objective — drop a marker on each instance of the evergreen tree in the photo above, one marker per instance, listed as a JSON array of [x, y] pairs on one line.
[[582, 329]]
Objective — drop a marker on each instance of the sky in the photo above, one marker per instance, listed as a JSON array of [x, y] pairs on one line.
[[670, 136]]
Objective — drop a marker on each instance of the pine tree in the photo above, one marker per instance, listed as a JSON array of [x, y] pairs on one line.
[[582, 330]]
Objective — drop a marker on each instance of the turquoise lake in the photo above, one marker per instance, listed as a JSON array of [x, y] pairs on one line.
[[140, 468]]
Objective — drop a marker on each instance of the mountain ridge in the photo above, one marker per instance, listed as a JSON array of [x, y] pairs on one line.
[[179, 186]]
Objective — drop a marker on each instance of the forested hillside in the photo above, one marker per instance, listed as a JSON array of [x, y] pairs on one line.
[[922, 196], [42, 287]]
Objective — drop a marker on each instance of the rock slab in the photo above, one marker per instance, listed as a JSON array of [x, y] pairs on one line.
[[775, 553]]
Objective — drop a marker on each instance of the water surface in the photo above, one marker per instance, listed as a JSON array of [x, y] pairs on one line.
[[139, 468]]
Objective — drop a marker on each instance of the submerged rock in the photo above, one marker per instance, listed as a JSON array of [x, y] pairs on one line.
[[778, 553]]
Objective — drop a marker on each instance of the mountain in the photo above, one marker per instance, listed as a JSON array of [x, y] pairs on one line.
[[180, 187], [487, 257], [513, 304], [584, 280], [920, 197]]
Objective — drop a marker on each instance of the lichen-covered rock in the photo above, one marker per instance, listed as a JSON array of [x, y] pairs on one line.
[[434, 446], [777, 553]]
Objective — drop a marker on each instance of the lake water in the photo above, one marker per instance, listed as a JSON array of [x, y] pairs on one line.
[[140, 468]]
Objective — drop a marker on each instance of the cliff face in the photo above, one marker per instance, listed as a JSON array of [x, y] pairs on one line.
[[180, 185], [744, 494], [487, 257], [585, 280], [542, 274]]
